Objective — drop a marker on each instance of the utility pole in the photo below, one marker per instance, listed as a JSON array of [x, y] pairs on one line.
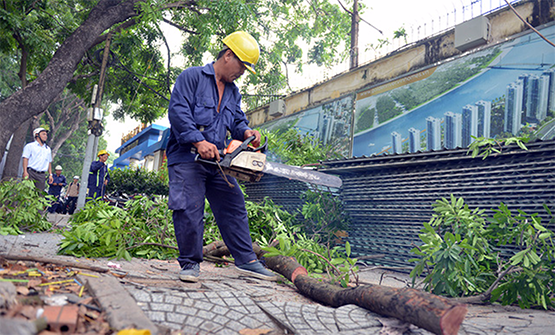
[[94, 117], [354, 36]]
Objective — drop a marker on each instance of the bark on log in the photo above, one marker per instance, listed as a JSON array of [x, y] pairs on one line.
[[207, 249], [219, 249], [436, 314]]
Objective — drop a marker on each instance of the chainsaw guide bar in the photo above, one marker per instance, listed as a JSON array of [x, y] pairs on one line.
[[244, 162]]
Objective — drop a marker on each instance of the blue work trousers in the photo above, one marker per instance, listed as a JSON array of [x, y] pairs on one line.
[[189, 183]]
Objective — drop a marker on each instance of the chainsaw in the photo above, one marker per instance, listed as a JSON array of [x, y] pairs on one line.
[[244, 162]]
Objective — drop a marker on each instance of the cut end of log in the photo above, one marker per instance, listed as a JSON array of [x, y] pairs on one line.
[[298, 271], [451, 321]]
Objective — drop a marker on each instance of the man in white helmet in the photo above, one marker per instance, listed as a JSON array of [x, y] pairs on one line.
[[37, 159], [55, 188], [205, 105]]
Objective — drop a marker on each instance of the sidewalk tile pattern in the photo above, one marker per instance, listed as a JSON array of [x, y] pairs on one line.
[[217, 310]]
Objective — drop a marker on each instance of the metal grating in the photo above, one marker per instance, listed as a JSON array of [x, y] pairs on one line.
[[283, 192], [389, 197]]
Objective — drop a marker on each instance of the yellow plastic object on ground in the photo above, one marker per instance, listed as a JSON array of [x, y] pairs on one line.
[[134, 332]]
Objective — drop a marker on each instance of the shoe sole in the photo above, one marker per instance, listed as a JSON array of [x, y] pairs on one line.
[[257, 275], [188, 278]]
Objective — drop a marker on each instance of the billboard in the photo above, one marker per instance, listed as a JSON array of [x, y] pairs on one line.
[[501, 91]]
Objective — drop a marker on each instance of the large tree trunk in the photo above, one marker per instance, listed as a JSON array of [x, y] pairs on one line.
[[436, 314], [13, 159], [35, 98]]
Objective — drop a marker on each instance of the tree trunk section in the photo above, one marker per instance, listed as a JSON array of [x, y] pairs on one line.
[[433, 313], [13, 158]]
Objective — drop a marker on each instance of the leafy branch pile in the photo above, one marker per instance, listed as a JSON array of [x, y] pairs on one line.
[[463, 255], [22, 208], [143, 229]]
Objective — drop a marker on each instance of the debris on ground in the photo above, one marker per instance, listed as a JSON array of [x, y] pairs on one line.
[[46, 298]]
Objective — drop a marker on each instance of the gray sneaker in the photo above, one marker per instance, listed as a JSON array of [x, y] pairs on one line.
[[190, 273], [257, 270]]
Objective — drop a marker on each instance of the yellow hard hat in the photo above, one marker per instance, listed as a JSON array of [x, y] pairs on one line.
[[245, 47], [103, 152]]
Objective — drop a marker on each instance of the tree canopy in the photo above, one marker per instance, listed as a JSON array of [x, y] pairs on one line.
[[62, 42]]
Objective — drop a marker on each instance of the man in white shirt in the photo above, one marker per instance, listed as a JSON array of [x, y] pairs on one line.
[[37, 159]]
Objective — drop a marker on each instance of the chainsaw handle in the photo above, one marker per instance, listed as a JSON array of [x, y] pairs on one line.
[[263, 147], [229, 156]]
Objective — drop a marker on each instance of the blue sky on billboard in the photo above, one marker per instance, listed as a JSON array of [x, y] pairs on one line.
[[418, 18]]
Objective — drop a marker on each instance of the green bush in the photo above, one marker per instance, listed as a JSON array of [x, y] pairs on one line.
[[459, 255], [22, 207], [138, 181]]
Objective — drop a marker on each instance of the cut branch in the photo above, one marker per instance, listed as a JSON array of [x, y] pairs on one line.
[[55, 261], [425, 310], [436, 314]]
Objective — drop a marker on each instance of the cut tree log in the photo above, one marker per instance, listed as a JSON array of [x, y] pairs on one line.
[[425, 310]]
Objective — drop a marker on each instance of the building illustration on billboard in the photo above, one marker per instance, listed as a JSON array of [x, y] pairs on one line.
[[500, 91]]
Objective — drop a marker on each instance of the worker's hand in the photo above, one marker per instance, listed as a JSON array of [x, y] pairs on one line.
[[50, 179], [256, 134], [207, 150], [25, 174], [106, 182]]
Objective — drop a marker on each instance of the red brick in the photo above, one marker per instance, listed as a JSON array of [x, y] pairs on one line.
[[61, 319]]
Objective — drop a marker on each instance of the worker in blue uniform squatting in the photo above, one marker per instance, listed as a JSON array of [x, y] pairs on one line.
[[205, 104], [98, 176]]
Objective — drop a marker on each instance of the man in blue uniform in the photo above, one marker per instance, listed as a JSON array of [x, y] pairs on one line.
[[205, 105], [55, 188], [98, 176]]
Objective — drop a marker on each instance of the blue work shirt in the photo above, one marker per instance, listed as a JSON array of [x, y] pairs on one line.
[[194, 117], [98, 173], [56, 189]]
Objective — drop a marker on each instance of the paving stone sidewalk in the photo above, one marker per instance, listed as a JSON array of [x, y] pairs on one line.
[[219, 309], [224, 302]]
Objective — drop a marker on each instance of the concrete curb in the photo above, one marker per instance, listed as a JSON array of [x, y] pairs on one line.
[[121, 309]]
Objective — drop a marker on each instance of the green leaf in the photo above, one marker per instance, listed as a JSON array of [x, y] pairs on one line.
[[518, 257], [544, 236]]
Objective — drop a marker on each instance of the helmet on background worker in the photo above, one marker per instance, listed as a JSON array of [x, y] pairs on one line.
[[58, 168], [102, 152], [245, 47], [37, 131]]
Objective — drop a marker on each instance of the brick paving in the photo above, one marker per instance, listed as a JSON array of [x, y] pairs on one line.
[[229, 312]]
